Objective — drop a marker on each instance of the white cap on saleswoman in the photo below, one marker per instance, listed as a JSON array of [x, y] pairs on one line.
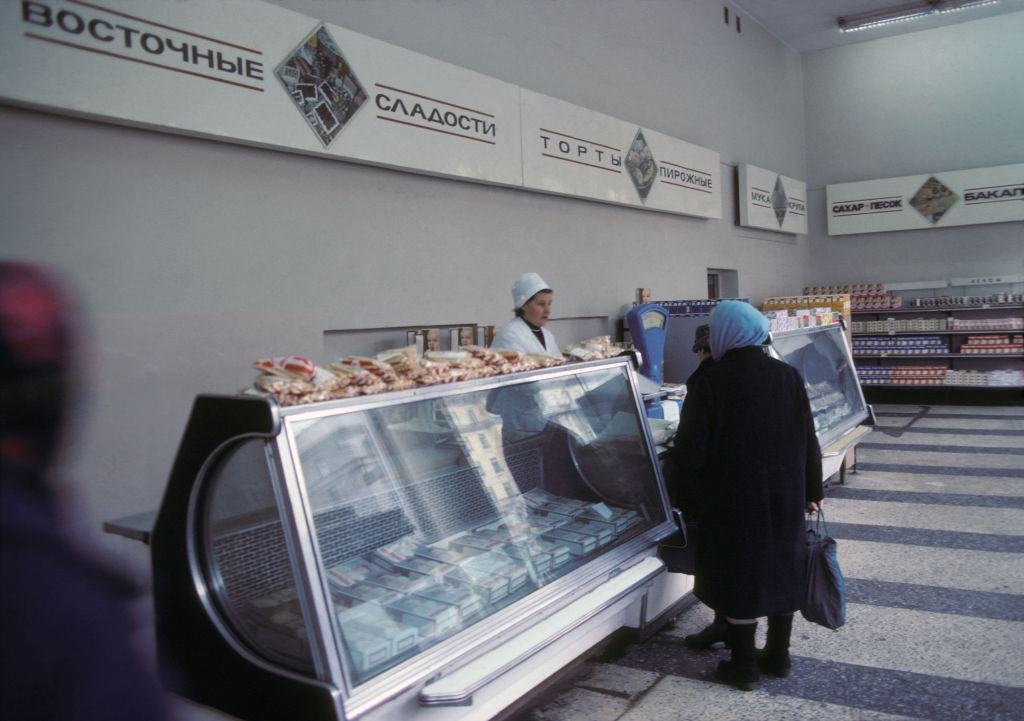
[[526, 286]]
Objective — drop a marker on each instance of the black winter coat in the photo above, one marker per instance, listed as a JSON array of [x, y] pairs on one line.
[[746, 462]]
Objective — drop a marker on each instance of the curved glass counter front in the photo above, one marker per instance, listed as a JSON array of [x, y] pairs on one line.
[[823, 359], [368, 543], [432, 515]]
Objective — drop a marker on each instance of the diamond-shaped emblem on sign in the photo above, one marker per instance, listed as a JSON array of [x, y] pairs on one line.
[[933, 199], [640, 165], [321, 84], [780, 203]]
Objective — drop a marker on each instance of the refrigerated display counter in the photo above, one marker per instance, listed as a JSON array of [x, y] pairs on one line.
[[431, 553], [841, 416]]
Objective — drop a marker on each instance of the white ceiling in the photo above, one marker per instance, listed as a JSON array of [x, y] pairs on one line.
[[807, 25]]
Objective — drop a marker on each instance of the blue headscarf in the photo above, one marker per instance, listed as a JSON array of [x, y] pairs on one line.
[[736, 324]]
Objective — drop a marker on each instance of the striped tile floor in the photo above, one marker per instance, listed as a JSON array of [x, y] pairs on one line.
[[931, 541]]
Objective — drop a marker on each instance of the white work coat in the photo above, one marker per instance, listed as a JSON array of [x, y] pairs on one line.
[[516, 335]]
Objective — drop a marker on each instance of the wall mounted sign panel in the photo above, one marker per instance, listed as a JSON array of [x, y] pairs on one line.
[[257, 74], [250, 72], [958, 197], [771, 201], [570, 150]]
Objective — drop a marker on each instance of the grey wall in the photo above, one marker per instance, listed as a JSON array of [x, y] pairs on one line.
[[193, 258], [937, 100]]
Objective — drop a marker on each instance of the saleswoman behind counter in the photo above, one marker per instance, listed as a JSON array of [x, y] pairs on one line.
[[526, 333]]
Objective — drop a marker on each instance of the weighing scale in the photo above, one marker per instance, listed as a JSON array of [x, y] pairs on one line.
[[648, 326]]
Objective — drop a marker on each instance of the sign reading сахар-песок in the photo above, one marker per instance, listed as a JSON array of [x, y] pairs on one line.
[[957, 197]]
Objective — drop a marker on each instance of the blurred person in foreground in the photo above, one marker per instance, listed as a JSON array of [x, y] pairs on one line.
[[66, 649], [747, 458]]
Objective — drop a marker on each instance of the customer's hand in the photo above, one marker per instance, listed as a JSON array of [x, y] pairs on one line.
[[815, 506]]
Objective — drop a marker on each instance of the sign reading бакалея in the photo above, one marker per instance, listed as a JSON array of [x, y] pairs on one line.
[[771, 201], [933, 200], [249, 72]]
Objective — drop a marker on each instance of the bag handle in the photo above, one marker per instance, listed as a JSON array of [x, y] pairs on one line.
[[818, 521]]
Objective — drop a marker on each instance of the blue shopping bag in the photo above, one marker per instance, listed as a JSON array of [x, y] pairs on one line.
[[825, 599]]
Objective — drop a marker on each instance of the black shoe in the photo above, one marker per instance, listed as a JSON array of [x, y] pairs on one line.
[[774, 658], [744, 677], [777, 665], [707, 638], [741, 670]]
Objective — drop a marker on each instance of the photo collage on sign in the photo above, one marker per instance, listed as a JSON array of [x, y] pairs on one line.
[[322, 85]]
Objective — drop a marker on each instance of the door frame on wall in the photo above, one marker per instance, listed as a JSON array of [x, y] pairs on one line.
[[723, 283]]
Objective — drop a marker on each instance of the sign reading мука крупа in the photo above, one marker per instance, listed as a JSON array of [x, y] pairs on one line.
[[771, 201], [249, 72], [959, 197]]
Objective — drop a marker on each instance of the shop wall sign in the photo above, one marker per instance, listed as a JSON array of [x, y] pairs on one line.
[[570, 150], [254, 73], [934, 200], [771, 201], [249, 72]]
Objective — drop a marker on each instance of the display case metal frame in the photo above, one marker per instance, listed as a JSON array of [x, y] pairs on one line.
[[195, 633]]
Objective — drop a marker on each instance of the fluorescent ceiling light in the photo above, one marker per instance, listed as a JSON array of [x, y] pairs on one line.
[[908, 11]]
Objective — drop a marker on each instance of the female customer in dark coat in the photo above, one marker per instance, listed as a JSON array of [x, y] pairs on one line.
[[747, 459]]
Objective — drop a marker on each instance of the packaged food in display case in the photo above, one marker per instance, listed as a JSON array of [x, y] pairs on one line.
[[367, 553]]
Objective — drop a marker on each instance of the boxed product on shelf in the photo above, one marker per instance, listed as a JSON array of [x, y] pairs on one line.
[[902, 375], [366, 649], [417, 565], [966, 378], [364, 592], [489, 586], [1006, 377], [371, 618], [499, 564], [431, 618], [619, 518], [892, 345], [601, 531], [538, 562], [351, 572], [579, 544], [967, 301], [400, 583], [815, 310], [464, 599], [863, 296], [1006, 344]]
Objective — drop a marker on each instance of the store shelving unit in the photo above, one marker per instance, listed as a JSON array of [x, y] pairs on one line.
[[955, 360]]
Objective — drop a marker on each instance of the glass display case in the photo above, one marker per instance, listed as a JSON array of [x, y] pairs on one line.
[[320, 560], [823, 358]]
